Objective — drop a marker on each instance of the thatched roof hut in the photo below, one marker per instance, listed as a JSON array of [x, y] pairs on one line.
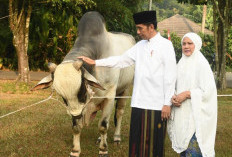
[[180, 25]]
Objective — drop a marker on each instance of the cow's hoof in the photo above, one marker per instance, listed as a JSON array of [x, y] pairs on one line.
[[103, 153], [117, 140], [98, 140], [74, 154]]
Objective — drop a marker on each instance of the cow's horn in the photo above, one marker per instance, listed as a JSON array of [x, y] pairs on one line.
[[77, 64], [52, 67]]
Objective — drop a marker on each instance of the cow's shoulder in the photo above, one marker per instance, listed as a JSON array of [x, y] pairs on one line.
[[122, 36]]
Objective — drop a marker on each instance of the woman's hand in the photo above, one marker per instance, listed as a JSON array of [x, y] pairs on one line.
[[87, 60], [178, 99], [183, 96], [175, 102]]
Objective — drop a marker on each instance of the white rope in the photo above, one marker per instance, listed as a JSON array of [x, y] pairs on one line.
[[224, 95], [99, 97], [26, 107], [102, 97]]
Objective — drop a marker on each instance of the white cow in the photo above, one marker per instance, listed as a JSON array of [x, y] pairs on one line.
[[76, 81]]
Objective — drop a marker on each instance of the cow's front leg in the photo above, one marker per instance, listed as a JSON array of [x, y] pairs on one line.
[[76, 150], [103, 126]]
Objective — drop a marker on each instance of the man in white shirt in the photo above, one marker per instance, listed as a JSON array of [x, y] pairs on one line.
[[154, 84]]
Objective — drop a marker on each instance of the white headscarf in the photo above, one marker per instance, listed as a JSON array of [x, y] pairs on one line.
[[196, 39], [187, 64], [198, 114]]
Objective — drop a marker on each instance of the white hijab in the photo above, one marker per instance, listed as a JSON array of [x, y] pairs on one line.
[[198, 114]]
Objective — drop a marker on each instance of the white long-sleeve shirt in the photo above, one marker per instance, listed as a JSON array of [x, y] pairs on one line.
[[155, 71]]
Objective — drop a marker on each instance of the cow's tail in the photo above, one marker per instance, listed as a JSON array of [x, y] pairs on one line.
[[115, 114]]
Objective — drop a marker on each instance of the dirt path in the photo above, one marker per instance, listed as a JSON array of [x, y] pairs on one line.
[[12, 75]]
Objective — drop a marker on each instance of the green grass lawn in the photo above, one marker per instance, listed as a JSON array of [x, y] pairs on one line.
[[45, 130]]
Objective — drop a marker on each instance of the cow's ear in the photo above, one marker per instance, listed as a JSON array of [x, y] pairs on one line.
[[91, 80], [94, 84], [46, 82]]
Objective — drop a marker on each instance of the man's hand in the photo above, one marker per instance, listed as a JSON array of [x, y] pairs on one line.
[[87, 60], [165, 113]]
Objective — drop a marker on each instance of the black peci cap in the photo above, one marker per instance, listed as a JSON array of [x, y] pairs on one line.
[[144, 17]]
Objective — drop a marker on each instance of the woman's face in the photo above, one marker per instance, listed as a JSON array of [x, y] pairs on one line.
[[187, 47]]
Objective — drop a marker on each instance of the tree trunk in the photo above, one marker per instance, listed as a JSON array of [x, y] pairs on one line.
[[203, 19], [215, 26], [150, 4], [19, 24], [222, 56], [222, 10]]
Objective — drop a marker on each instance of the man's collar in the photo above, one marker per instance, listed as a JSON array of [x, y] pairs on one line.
[[154, 38]]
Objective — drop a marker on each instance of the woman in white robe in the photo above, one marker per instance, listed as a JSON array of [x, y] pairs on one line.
[[193, 122]]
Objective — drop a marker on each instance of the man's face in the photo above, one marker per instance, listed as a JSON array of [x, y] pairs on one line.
[[144, 31], [188, 47]]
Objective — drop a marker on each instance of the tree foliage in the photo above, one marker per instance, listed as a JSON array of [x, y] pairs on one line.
[[53, 28], [208, 49], [222, 25], [117, 16], [6, 46], [196, 2], [229, 56]]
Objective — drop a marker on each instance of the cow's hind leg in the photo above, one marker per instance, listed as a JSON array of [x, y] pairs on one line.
[[76, 150], [121, 103], [103, 126]]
